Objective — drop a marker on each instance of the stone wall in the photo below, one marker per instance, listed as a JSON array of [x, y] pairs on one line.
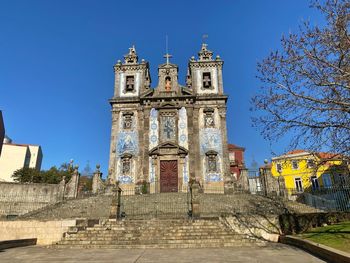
[[71, 188], [46, 232], [297, 223], [241, 183], [255, 226], [21, 198], [273, 186]]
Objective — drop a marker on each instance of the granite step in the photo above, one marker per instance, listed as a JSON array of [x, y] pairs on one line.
[[157, 234]]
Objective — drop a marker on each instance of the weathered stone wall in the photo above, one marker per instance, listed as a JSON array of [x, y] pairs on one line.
[[255, 226], [21, 198], [98, 186], [273, 186], [46, 232], [242, 183], [71, 188]]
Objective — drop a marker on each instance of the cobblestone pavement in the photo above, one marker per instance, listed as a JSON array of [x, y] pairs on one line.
[[273, 253]]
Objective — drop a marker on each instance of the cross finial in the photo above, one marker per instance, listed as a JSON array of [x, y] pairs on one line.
[[205, 36], [167, 55]]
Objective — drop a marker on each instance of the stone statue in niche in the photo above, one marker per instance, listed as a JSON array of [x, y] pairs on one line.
[[168, 83], [209, 121]]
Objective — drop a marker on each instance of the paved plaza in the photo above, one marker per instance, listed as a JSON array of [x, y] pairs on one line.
[[273, 253]]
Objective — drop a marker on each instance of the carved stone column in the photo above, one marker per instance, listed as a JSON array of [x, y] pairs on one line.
[[195, 158], [97, 184], [61, 188], [71, 189], [225, 155], [114, 136], [195, 202], [181, 169], [144, 145], [243, 180], [153, 183], [113, 212]]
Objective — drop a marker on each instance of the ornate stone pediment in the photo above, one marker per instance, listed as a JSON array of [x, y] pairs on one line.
[[168, 148]]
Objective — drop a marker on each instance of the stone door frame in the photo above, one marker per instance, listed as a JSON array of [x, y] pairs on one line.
[[168, 152]]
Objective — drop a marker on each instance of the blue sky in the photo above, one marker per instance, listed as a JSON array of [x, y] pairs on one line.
[[56, 61]]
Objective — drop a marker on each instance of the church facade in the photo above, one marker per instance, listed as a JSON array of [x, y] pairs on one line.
[[166, 136]]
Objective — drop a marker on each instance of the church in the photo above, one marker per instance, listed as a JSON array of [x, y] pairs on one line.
[[168, 135]]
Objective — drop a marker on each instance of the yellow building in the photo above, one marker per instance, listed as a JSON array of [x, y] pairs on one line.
[[16, 156], [303, 170]]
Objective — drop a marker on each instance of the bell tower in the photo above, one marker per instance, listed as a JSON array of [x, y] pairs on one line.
[[132, 80], [168, 78], [205, 74], [131, 77]]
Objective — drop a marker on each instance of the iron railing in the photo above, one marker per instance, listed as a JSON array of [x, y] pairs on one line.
[[333, 198], [141, 205]]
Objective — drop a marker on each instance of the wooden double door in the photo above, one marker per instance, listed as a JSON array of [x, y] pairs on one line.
[[168, 176]]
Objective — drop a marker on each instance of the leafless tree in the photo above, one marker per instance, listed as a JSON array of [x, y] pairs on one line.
[[305, 86]]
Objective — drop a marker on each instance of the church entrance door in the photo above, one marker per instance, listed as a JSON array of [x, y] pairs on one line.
[[168, 176]]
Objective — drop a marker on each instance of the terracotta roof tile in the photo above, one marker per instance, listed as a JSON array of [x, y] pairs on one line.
[[232, 147], [296, 151]]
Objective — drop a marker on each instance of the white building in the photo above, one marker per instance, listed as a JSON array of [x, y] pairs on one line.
[[16, 156]]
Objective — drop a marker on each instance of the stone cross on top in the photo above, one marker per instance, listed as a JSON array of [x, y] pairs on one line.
[[167, 56]]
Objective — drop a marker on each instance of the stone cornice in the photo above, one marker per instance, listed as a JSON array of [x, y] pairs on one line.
[[211, 97], [194, 98], [199, 64], [124, 100], [166, 98], [125, 67]]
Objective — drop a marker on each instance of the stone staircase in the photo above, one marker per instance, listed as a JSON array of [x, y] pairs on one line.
[[166, 205], [157, 233]]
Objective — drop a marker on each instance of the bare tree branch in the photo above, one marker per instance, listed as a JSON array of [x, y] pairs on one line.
[[305, 86]]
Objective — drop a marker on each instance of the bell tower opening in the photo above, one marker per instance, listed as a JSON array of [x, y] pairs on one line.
[[168, 83]]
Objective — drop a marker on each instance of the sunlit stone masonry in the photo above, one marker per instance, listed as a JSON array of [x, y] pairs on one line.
[[164, 137]]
